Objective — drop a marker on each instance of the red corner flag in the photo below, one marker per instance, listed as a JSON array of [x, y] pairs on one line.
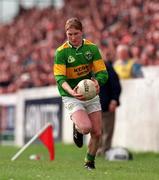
[[46, 136], [47, 139]]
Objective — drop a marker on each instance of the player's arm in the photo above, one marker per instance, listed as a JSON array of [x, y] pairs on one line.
[[59, 68], [98, 67], [72, 92], [60, 75]]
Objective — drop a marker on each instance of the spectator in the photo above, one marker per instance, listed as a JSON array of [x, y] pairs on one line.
[[5, 74], [134, 23], [109, 98], [125, 66]]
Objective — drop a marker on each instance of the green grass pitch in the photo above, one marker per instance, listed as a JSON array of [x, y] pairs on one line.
[[68, 165]]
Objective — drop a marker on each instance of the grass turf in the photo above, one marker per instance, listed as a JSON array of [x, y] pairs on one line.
[[68, 165]]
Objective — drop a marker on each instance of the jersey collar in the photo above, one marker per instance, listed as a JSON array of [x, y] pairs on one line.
[[71, 46]]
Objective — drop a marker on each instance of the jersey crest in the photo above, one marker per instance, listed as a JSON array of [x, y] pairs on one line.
[[88, 55], [70, 59]]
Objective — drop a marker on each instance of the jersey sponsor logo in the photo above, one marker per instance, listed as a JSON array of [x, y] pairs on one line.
[[82, 70], [88, 55], [71, 59], [79, 71]]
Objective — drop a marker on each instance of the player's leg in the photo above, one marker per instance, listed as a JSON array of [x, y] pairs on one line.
[[77, 113], [82, 121], [95, 134], [81, 125], [95, 118]]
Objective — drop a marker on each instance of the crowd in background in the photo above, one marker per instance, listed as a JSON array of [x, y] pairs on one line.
[[27, 45]]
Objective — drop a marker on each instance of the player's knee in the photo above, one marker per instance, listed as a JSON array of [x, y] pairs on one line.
[[86, 129]]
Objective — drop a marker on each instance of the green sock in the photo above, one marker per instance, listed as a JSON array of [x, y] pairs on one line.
[[89, 157]]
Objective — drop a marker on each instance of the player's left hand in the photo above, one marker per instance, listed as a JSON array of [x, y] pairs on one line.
[[96, 85]]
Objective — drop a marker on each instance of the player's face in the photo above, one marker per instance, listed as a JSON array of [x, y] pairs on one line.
[[74, 36]]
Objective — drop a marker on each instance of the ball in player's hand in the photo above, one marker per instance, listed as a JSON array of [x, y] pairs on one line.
[[87, 88]]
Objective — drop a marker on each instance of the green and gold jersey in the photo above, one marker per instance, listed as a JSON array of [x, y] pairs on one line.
[[74, 64]]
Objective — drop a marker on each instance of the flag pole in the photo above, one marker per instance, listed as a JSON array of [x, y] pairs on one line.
[[29, 142]]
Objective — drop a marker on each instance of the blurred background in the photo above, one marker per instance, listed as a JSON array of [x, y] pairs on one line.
[[30, 32]]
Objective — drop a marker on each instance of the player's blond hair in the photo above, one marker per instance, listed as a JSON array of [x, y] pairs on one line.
[[73, 23]]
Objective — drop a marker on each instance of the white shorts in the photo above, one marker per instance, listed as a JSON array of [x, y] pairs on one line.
[[72, 104]]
